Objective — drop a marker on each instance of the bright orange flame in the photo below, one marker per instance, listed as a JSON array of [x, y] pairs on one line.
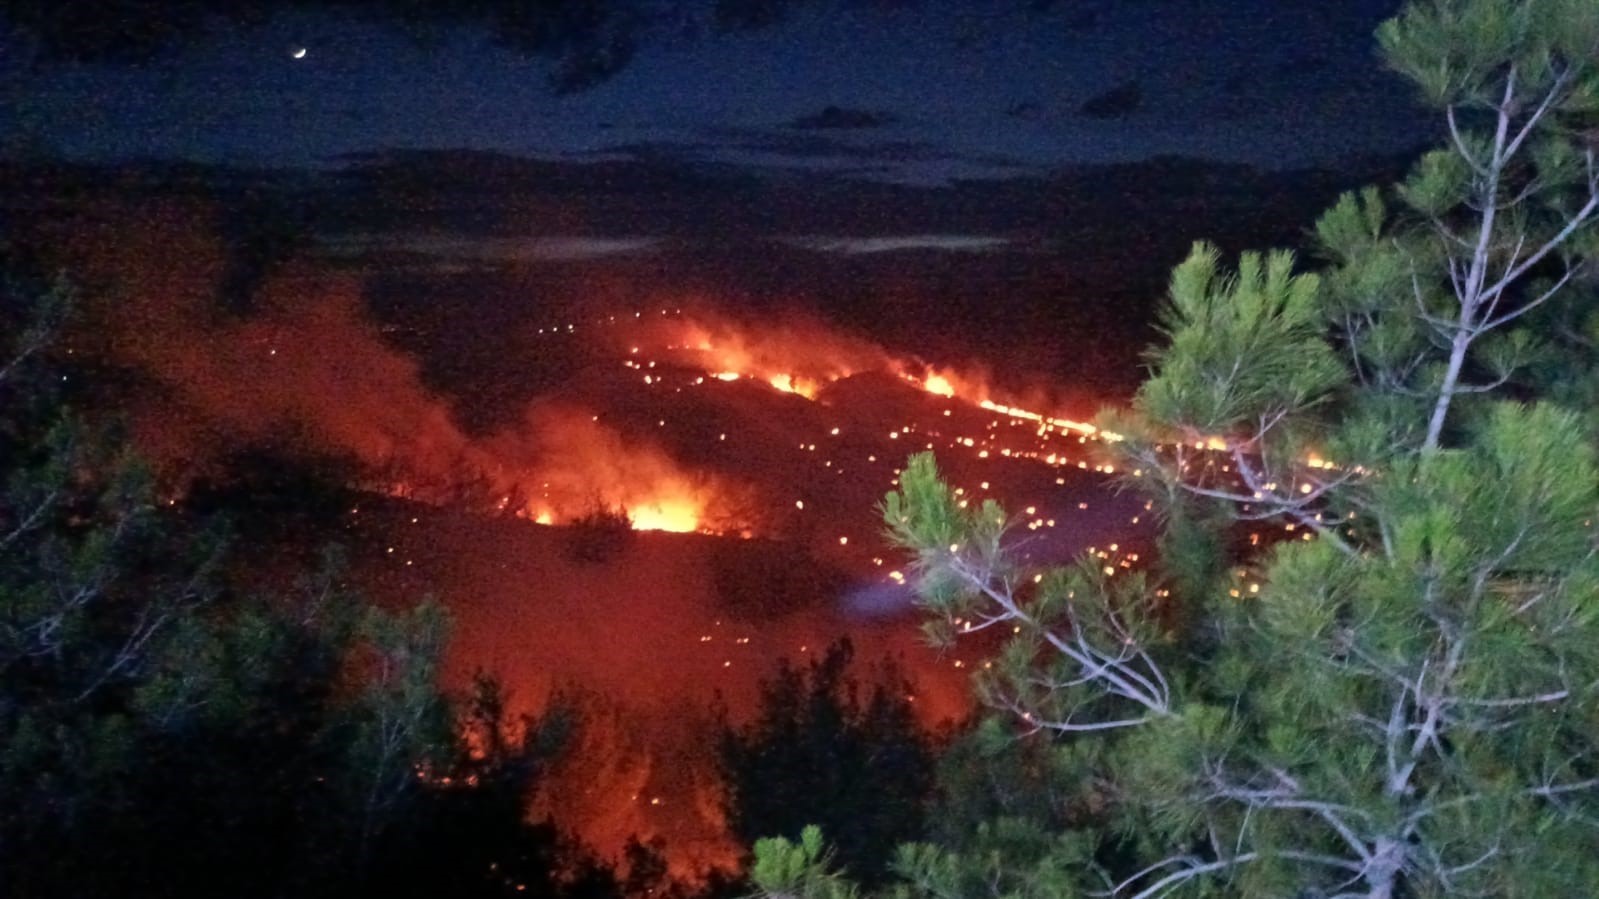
[[790, 384], [681, 516], [939, 384], [564, 465], [800, 358], [671, 508], [803, 362]]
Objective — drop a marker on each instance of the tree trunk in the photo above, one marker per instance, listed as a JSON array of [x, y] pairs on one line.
[[1446, 391], [1382, 872]]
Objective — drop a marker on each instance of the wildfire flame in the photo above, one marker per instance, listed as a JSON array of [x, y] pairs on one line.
[[938, 384], [680, 516], [800, 358], [805, 387], [804, 359], [575, 466]]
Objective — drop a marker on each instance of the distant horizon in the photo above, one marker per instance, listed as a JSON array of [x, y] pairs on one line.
[[389, 155]]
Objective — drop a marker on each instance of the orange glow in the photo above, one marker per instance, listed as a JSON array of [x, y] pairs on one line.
[[803, 360], [679, 515], [789, 384], [564, 465], [939, 384]]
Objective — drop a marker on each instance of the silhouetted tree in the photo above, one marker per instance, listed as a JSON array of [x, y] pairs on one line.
[[817, 753], [599, 535]]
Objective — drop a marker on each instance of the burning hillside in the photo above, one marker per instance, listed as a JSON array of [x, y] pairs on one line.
[[304, 368], [768, 445]]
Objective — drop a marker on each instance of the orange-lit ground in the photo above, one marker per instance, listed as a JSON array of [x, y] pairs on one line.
[[675, 620], [765, 445]]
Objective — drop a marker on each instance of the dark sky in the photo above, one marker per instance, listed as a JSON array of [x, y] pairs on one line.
[[921, 91]]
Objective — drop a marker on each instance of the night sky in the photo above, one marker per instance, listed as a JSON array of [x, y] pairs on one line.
[[919, 92]]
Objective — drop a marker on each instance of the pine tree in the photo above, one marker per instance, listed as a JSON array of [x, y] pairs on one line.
[[1368, 662], [817, 754]]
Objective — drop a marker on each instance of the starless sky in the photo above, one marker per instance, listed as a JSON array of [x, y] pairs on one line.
[[923, 91]]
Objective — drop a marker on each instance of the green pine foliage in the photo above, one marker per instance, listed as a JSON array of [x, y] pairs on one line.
[[1393, 690], [784, 868]]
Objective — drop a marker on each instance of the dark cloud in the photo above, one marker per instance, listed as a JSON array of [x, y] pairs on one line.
[[810, 144], [844, 118], [1119, 102]]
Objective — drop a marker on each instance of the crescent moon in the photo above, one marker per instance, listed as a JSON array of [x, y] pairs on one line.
[[299, 53]]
